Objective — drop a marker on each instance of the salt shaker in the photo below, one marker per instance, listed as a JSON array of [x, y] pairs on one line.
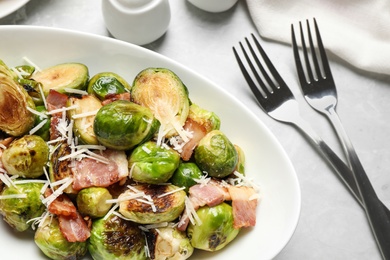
[[136, 21]]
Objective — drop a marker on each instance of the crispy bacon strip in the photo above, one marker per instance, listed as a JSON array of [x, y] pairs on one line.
[[114, 97], [244, 203], [198, 132], [55, 100], [89, 172], [211, 194], [74, 229], [62, 205]]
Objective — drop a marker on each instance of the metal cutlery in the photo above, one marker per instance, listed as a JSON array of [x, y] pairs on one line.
[[277, 100], [319, 90]]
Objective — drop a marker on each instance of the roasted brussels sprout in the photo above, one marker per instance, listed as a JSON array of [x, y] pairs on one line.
[[62, 76], [83, 126], [168, 243], [154, 164], [186, 174], [54, 245], [92, 202], [241, 160], [115, 238], [17, 211], [44, 131], [121, 125], [216, 155], [216, 230], [105, 83], [164, 93], [209, 120], [15, 118], [167, 203], [26, 156]]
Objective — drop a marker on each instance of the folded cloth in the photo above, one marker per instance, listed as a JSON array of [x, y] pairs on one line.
[[357, 31]]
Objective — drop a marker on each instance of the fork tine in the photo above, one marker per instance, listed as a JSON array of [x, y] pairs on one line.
[[313, 51], [298, 63], [324, 58], [247, 77], [306, 56]]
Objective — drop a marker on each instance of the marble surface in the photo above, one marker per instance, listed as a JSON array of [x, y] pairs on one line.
[[332, 225]]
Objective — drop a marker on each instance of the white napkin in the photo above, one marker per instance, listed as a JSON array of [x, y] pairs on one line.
[[358, 31]]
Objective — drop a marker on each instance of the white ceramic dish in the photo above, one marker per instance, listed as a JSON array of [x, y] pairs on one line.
[[9, 6], [266, 161]]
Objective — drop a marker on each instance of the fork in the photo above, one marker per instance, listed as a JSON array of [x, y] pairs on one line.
[[277, 100], [319, 90]]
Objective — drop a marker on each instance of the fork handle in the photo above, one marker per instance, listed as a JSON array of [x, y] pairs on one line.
[[379, 221], [377, 213]]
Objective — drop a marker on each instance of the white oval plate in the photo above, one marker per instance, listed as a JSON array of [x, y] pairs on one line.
[[266, 161], [9, 6]]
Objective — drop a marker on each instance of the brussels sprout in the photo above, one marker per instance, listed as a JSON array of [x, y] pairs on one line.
[[17, 211], [168, 243], [167, 206], [26, 156], [92, 202], [32, 88], [185, 174], [121, 125], [164, 93], [105, 83], [83, 126], [25, 71], [16, 119], [61, 169], [54, 245], [44, 131], [154, 164], [62, 76], [216, 155], [216, 230], [209, 120], [241, 160], [115, 238]]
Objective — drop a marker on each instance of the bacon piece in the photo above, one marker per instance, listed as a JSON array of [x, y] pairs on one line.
[[62, 205], [198, 132], [90, 172], [74, 229], [114, 97], [210, 194], [244, 203], [55, 100]]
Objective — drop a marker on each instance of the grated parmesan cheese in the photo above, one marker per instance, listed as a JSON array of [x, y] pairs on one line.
[[86, 114], [31, 63], [37, 127], [13, 196], [76, 91], [66, 183], [170, 192]]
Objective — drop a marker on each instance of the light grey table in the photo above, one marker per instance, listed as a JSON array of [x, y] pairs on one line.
[[332, 225]]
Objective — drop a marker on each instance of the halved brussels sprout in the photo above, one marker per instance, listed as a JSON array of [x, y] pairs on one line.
[[26, 156], [61, 169], [92, 202], [105, 83], [216, 230], [121, 125], [164, 93], [168, 206], [62, 76], [186, 174], [151, 163], [209, 120], [44, 131], [216, 155], [17, 211], [116, 238], [168, 243], [15, 118], [54, 245], [83, 126], [32, 88]]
